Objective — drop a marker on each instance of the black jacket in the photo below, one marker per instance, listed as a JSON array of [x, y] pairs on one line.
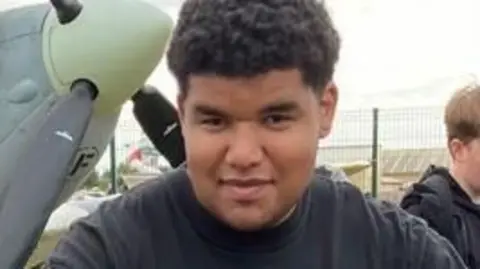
[[438, 199]]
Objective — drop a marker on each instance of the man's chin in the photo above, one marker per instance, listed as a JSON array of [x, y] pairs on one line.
[[247, 226], [248, 222]]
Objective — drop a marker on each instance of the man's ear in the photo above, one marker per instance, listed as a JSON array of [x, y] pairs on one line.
[[327, 101], [458, 150]]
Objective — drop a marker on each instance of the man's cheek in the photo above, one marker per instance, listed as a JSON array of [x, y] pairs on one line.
[[292, 147], [203, 152], [300, 158]]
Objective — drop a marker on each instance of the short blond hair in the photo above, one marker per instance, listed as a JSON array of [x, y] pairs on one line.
[[462, 114]]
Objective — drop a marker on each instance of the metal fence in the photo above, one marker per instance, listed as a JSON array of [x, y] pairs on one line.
[[397, 143]]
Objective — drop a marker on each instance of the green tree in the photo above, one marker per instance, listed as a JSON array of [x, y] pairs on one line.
[[91, 181]]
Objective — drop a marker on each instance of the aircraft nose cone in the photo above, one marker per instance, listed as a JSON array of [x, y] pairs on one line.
[[116, 44]]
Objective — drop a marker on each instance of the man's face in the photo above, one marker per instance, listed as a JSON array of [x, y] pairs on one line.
[[251, 143], [466, 165], [468, 159]]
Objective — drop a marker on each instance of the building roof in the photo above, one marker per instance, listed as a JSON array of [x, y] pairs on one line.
[[412, 160], [392, 161]]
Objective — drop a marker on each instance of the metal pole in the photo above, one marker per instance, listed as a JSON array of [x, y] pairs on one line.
[[113, 165], [375, 153]]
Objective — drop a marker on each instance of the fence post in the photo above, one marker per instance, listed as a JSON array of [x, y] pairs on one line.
[[113, 165], [375, 153]]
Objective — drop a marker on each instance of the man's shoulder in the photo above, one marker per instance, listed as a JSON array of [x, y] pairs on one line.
[[150, 192], [330, 172], [122, 228], [324, 186], [435, 183], [432, 197], [380, 226], [141, 203], [347, 200]]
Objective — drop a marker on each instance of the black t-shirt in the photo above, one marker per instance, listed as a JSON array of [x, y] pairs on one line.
[[160, 225]]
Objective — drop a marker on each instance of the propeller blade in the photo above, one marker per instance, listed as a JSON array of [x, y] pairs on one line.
[[158, 119], [33, 186]]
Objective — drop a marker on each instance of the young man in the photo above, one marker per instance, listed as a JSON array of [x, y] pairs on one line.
[[256, 95], [448, 199]]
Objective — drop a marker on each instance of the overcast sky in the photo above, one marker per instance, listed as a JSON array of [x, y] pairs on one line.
[[397, 47], [390, 47]]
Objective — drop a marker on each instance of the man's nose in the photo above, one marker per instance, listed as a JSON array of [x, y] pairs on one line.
[[244, 150]]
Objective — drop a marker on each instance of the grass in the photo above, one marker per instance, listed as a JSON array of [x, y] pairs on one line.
[[46, 244]]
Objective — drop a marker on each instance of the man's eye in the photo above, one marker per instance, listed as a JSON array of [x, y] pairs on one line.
[[212, 121], [277, 119], [213, 124]]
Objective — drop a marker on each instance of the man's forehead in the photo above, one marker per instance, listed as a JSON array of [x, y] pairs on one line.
[[274, 91], [272, 86]]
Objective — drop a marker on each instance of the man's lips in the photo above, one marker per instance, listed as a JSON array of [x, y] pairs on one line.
[[245, 190], [245, 182]]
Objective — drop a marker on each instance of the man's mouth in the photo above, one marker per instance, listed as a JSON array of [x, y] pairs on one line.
[[245, 190]]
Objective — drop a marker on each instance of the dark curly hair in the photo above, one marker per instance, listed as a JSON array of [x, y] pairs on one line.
[[245, 38]]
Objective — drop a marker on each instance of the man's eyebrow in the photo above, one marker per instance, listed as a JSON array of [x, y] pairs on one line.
[[281, 107], [208, 110]]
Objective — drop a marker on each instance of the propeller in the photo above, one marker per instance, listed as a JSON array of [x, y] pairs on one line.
[[23, 212], [109, 45], [158, 119]]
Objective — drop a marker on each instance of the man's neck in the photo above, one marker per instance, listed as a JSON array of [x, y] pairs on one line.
[[286, 217], [467, 188]]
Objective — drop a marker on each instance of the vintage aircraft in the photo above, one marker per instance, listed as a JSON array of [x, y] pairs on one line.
[[66, 68]]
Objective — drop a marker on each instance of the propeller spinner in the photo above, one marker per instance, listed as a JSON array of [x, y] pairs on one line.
[[116, 44], [67, 10]]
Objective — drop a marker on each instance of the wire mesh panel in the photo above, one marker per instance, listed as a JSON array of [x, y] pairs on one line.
[[412, 139], [409, 139], [412, 128], [351, 128], [349, 146]]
